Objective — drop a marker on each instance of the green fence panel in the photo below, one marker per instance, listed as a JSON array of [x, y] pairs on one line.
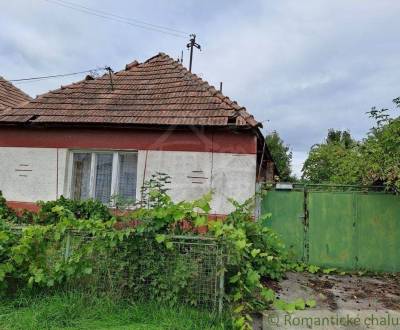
[[350, 230], [287, 216], [378, 231], [331, 229]]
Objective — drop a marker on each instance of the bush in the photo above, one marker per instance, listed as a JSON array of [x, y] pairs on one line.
[[86, 209], [6, 213], [253, 251]]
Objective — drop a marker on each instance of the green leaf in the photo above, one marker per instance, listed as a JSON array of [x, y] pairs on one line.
[[252, 277], [160, 238], [169, 245], [313, 269], [234, 278], [268, 294], [238, 309], [240, 244], [18, 259], [39, 277], [200, 221], [299, 304], [238, 295], [255, 252], [57, 236], [280, 304], [290, 307], [311, 303], [329, 270], [4, 237], [57, 209], [239, 322]]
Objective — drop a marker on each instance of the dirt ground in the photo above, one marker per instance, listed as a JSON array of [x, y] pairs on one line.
[[343, 292], [337, 293]]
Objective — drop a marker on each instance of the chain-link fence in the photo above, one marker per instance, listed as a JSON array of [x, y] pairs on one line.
[[189, 271]]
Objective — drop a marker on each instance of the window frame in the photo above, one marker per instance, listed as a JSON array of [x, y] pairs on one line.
[[93, 163]]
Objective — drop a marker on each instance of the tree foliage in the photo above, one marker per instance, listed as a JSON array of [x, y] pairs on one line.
[[381, 150], [332, 161], [281, 154], [374, 160]]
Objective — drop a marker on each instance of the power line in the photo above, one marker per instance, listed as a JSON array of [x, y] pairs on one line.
[[39, 78], [120, 19]]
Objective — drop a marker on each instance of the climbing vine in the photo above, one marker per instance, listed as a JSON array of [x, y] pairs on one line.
[[253, 251]]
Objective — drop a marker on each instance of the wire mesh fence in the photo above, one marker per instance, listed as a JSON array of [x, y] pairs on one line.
[[189, 271]]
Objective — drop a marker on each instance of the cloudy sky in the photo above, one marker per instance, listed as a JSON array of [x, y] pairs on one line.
[[302, 67]]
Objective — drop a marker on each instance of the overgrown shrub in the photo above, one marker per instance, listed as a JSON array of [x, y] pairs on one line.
[[252, 250], [85, 209], [7, 242], [6, 213]]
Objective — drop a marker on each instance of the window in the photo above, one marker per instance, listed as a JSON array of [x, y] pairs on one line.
[[127, 175], [81, 176], [102, 175]]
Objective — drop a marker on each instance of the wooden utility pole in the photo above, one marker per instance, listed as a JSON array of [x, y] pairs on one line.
[[192, 43]]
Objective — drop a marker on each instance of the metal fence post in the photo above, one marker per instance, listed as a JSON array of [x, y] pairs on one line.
[[221, 291], [67, 251]]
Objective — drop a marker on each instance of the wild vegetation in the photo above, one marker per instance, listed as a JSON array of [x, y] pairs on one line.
[[282, 156], [332, 161], [29, 258], [79, 310], [373, 161]]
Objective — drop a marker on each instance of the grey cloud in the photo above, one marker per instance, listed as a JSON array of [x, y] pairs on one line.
[[305, 66]]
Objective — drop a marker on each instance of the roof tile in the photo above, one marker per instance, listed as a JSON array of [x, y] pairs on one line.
[[159, 91], [10, 95]]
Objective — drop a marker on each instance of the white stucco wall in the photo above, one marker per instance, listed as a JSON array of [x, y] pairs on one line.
[[190, 171], [32, 174], [196, 173], [234, 176]]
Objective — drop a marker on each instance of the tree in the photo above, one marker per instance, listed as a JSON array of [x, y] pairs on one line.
[[373, 161], [281, 154], [334, 160], [381, 150]]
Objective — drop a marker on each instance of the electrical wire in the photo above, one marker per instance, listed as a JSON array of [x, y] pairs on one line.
[[39, 78], [120, 19]]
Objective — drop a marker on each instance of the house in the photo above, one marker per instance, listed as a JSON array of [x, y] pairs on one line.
[[11, 96], [105, 136]]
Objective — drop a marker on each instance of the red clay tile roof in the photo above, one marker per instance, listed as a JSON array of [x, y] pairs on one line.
[[159, 91], [10, 95]]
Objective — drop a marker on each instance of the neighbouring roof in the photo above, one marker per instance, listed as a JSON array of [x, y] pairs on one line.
[[10, 95], [159, 91]]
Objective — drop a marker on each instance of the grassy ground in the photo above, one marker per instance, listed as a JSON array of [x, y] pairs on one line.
[[80, 311]]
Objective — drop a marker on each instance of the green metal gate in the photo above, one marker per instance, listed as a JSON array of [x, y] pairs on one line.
[[331, 229], [346, 227], [378, 232], [288, 222]]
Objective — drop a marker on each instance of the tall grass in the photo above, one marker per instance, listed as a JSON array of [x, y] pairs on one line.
[[77, 310]]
